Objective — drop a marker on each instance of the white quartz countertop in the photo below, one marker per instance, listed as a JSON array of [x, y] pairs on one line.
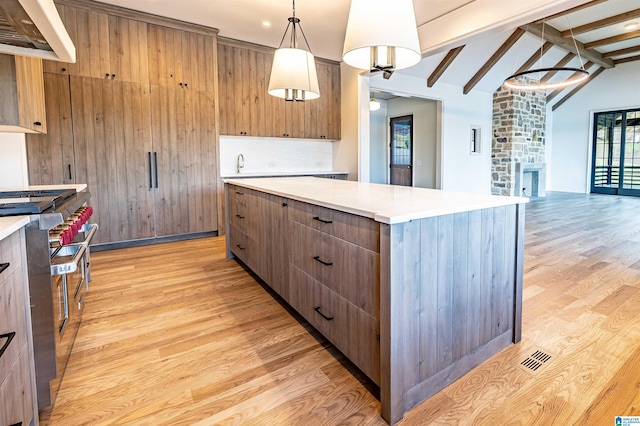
[[384, 203], [77, 187], [10, 224], [280, 174]]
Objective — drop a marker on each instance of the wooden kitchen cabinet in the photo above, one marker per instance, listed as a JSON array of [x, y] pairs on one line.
[[22, 105], [50, 157], [17, 368], [112, 140], [107, 46], [246, 109], [184, 150]]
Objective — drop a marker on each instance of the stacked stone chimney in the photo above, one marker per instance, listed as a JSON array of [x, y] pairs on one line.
[[518, 136]]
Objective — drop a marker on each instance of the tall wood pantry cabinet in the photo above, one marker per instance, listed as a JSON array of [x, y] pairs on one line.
[[135, 119]]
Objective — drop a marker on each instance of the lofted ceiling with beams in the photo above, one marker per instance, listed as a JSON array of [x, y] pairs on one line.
[[481, 63]]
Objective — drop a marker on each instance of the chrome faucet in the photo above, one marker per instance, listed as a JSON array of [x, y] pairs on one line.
[[239, 163]]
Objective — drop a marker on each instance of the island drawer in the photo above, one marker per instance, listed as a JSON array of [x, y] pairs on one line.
[[350, 329], [245, 248], [347, 269], [13, 328], [244, 194], [16, 405], [356, 229], [244, 216], [10, 253]]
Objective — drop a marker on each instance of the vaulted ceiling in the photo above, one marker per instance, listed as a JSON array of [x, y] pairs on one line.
[[479, 61]]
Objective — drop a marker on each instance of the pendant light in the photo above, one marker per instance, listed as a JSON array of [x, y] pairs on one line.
[[293, 74], [531, 80], [382, 36], [374, 105]]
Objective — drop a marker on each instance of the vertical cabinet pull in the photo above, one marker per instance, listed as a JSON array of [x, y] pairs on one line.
[[150, 171], [9, 337], [70, 177], [3, 266], [155, 163]]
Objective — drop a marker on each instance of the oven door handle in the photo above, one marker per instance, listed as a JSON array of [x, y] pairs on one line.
[[89, 230], [71, 266]]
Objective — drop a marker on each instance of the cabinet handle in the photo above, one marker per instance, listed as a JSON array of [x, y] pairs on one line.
[[186, 85], [106, 75], [239, 193], [70, 177], [317, 309], [3, 266], [155, 163], [285, 205], [9, 337], [63, 69], [240, 246], [322, 220], [113, 76], [37, 123], [150, 171], [317, 259], [239, 216]]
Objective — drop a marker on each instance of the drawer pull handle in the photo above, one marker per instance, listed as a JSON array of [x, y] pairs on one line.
[[239, 193], [317, 259], [239, 216], [322, 220], [323, 315], [3, 266], [9, 337], [241, 247], [284, 204]]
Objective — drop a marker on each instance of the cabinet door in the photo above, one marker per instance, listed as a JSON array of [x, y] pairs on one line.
[[184, 142], [128, 52], [111, 121], [165, 56], [275, 111], [198, 65], [89, 32], [50, 157], [322, 116], [275, 240]]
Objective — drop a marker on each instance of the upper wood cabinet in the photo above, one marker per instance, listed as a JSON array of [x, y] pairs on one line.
[[246, 109], [22, 107], [107, 46], [180, 58]]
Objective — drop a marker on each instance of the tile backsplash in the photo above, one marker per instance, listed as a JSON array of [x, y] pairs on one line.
[[267, 155]]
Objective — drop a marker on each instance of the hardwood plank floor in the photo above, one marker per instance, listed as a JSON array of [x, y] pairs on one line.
[[176, 334]]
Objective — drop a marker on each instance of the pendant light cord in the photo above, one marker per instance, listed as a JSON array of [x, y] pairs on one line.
[[294, 38]]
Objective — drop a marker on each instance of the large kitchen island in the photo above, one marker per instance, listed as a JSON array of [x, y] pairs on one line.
[[415, 286]]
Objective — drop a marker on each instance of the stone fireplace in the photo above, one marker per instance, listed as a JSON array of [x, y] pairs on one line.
[[518, 164]]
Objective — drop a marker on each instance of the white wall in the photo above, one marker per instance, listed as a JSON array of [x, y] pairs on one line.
[[460, 171], [275, 155], [13, 160], [425, 136], [614, 89], [379, 148]]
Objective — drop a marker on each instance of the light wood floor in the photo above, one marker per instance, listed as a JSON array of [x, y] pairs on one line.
[[177, 334]]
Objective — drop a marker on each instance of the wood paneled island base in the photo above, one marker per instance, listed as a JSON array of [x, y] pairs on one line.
[[415, 286]]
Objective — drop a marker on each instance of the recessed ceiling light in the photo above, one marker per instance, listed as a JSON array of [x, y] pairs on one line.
[[266, 24], [631, 26]]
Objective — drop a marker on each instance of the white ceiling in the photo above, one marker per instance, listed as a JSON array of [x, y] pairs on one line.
[[324, 23]]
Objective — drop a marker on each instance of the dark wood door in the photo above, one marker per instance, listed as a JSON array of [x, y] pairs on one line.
[[401, 163]]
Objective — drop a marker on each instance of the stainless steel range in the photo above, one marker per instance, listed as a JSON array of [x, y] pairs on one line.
[[57, 244]]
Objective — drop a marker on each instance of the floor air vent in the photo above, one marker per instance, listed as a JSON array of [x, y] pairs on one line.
[[536, 361]]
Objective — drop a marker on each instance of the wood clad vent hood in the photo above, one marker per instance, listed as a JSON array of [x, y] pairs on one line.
[[34, 28]]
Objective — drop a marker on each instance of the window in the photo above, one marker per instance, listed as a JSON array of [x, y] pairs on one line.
[[475, 147]]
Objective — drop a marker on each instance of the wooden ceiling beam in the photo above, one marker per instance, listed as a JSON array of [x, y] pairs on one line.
[[535, 57], [619, 52], [556, 92], [612, 20], [508, 44], [568, 11], [577, 88], [613, 39], [553, 35], [629, 59], [443, 65], [561, 63]]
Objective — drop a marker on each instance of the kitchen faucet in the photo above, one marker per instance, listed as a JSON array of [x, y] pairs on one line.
[[239, 163]]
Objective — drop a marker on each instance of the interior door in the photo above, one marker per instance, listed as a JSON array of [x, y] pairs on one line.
[[616, 153], [401, 159]]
